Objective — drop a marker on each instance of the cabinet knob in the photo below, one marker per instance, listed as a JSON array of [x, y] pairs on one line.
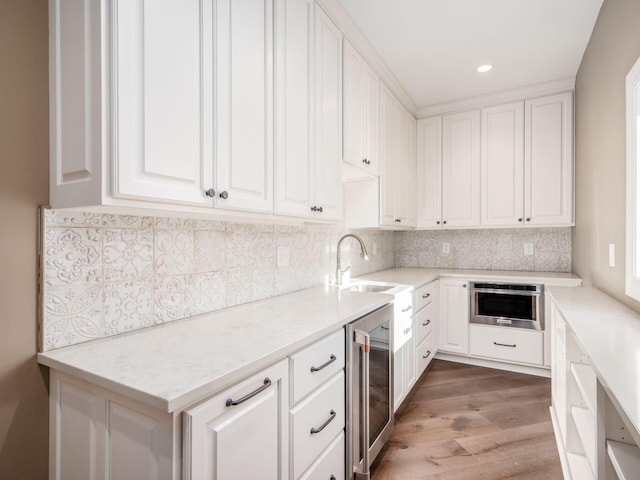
[[210, 193], [528, 219], [224, 195], [519, 219], [445, 222], [438, 222], [314, 209], [464, 286], [320, 209]]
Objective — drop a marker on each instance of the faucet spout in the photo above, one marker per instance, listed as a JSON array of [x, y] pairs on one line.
[[363, 253]]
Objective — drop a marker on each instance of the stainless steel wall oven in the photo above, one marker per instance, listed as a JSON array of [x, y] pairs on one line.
[[369, 389], [509, 305]]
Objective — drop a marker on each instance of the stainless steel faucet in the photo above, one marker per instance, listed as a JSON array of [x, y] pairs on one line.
[[363, 254]]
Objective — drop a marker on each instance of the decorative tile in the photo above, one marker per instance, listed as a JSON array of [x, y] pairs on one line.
[[238, 249], [210, 251], [207, 292], [127, 254], [262, 283], [216, 225], [70, 218], [173, 251], [238, 287], [172, 298], [172, 223], [263, 250], [72, 256], [72, 315], [127, 306], [127, 221]]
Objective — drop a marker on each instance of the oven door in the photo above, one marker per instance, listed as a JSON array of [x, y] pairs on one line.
[[509, 308], [369, 390]]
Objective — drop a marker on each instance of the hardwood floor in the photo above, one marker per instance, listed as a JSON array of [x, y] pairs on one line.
[[472, 423]]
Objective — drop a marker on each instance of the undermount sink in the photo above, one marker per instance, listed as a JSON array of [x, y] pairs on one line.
[[364, 287]]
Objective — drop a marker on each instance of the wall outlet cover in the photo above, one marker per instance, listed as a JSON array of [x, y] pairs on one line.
[[528, 248]]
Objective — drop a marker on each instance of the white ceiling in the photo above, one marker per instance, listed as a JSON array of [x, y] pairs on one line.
[[433, 47]]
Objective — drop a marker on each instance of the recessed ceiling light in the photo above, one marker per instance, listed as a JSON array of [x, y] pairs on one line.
[[484, 68]]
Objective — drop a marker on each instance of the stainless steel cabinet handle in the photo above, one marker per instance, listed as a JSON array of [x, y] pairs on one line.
[[426, 295], [224, 195], [427, 355], [332, 359], [426, 323], [332, 415], [210, 193], [505, 344], [232, 403], [406, 309]]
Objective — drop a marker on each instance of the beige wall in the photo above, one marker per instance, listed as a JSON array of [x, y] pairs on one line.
[[23, 186], [600, 147]]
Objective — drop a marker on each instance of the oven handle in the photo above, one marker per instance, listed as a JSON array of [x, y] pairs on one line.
[[362, 338], [522, 293]]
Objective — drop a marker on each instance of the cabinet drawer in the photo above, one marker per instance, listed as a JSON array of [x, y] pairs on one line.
[[515, 345], [311, 368], [424, 295], [312, 414], [330, 464], [425, 352], [424, 321]]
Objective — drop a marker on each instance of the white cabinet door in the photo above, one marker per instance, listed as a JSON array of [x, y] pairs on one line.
[[399, 387], [453, 318], [503, 165], [244, 104], [429, 192], [549, 160], [327, 161], [401, 167], [354, 106], [372, 120], [411, 186], [162, 111], [461, 169], [388, 150], [294, 112], [248, 440]]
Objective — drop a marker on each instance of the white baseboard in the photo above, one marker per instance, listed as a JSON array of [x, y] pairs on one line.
[[481, 362]]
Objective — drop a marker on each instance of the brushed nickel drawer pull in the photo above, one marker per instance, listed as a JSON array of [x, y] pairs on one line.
[[231, 402], [504, 345], [406, 309], [426, 323], [426, 295], [323, 426], [427, 355], [332, 359]]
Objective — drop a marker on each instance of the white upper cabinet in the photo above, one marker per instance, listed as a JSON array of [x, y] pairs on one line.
[[503, 165], [461, 169], [361, 105], [548, 160], [429, 172], [308, 112], [244, 104]]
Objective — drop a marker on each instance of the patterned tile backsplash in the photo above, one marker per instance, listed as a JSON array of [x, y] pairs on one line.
[[487, 249], [107, 274]]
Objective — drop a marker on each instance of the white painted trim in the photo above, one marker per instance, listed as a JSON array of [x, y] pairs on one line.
[[632, 277], [481, 362], [356, 38], [506, 96]]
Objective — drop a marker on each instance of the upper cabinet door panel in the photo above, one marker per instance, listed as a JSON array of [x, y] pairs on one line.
[[503, 165], [412, 172], [429, 172], [388, 150], [328, 115], [461, 169], [549, 160], [243, 104], [372, 120], [401, 166], [294, 112], [161, 118], [354, 108]]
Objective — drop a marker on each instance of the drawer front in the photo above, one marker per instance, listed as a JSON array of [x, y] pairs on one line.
[[515, 345], [425, 353], [325, 405], [424, 295], [314, 365], [330, 464], [424, 321]]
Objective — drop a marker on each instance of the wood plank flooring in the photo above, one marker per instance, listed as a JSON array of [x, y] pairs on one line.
[[463, 422]]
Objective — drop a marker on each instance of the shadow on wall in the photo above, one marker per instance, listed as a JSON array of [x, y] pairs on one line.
[[23, 411]]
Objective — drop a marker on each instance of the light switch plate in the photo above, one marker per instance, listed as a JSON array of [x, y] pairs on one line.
[[283, 256], [528, 248], [446, 247]]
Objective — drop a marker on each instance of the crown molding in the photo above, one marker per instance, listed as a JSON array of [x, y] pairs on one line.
[[350, 30], [512, 95]]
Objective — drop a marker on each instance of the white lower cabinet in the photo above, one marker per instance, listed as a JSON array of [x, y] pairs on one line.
[[453, 316], [248, 421], [331, 464], [506, 343]]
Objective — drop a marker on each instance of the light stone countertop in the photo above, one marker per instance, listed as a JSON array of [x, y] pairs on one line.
[[173, 365], [609, 333]]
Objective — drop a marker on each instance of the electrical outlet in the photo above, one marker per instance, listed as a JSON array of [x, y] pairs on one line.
[[446, 247], [612, 255], [283, 257], [528, 248]]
